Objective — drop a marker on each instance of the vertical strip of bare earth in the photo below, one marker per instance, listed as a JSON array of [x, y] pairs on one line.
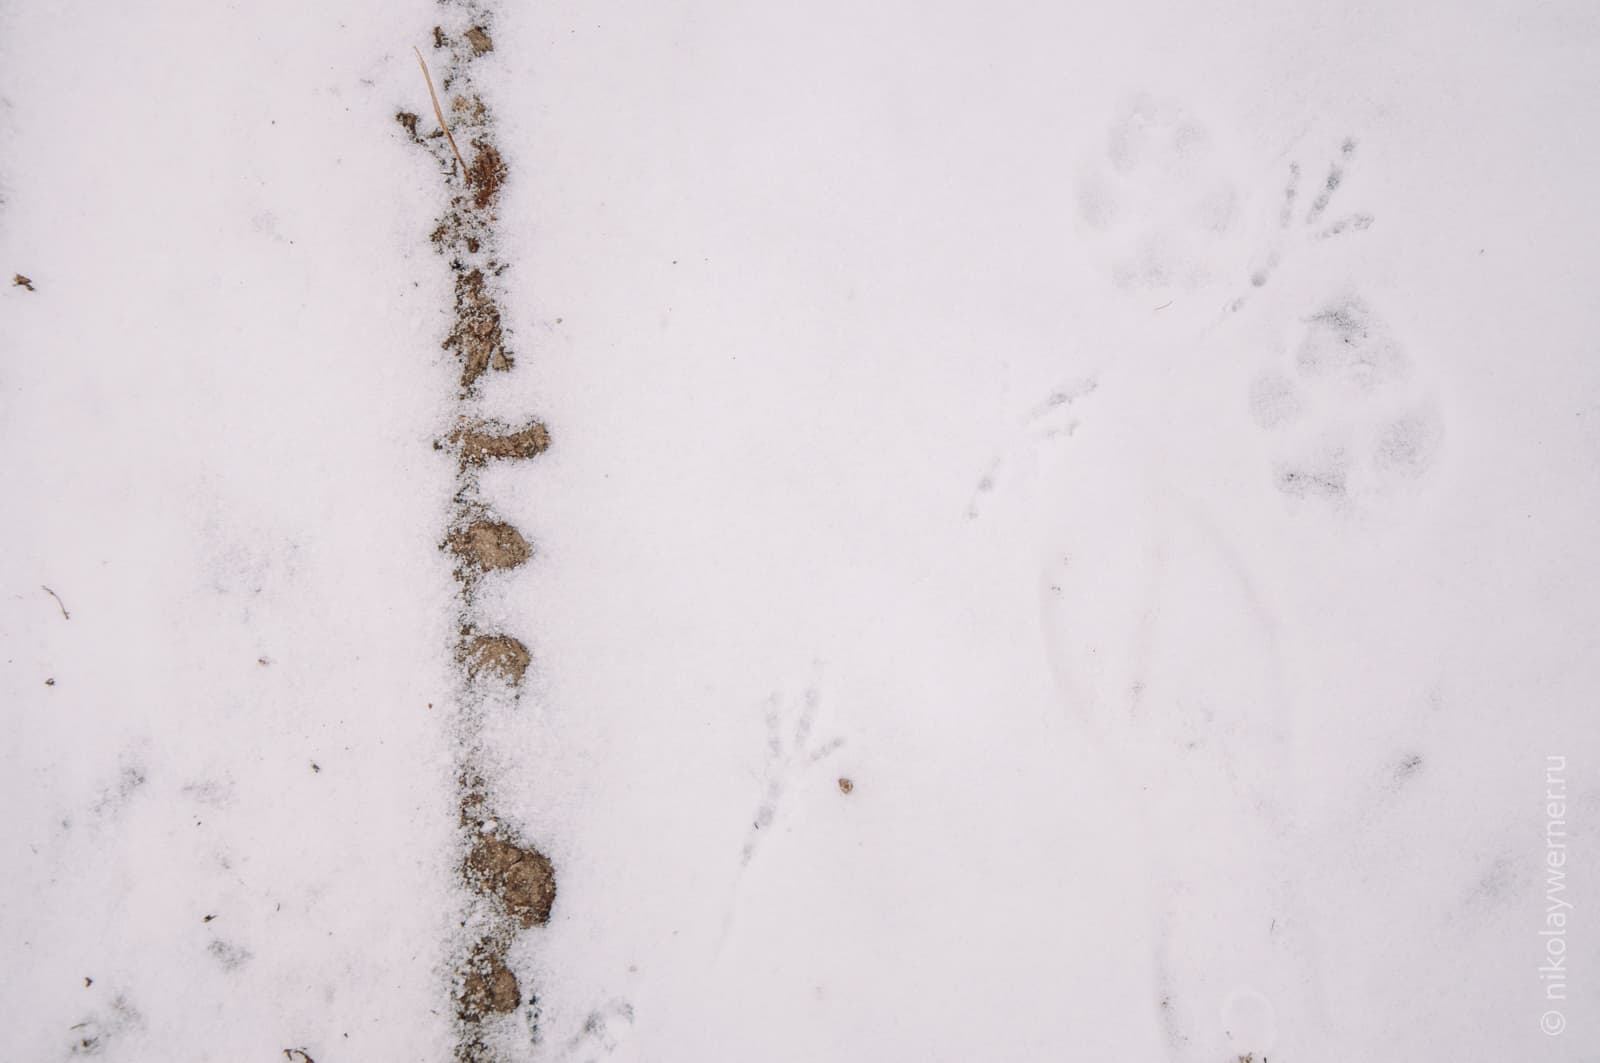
[[509, 884]]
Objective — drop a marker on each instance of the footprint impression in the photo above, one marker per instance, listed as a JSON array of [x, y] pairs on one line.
[[1352, 422]]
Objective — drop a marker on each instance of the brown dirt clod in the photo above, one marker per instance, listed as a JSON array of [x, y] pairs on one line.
[[488, 545], [501, 654], [523, 879], [845, 785], [409, 122], [488, 986], [481, 441], [486, 173], [19, 281], [476, 335], [480, 40]]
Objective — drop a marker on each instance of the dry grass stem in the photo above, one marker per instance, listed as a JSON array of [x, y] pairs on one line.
[[439, 114]]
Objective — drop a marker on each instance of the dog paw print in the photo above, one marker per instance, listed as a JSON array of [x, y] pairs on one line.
[[1351, 421], [1157, 198], [1050, 421], [1299, 223], [792, 749]]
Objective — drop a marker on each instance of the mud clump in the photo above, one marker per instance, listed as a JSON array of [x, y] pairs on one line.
[[500, 654], [489, 545], [486, 173], [480, 40], [522, 879], [476, 335], [488, 986], [479, 442], [19, 281]]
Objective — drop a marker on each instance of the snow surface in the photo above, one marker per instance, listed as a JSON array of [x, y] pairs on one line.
[[1190, 580]]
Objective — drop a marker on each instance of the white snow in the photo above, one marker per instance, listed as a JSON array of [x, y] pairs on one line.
[[1193, 646]]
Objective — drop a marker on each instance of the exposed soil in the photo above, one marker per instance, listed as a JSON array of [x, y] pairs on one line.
[[486, 173], [510, 887], [522, 879], [479, 442], [488, 986], [470, 109], [500, 654], [476, 335], [458, 231], [489, 545]]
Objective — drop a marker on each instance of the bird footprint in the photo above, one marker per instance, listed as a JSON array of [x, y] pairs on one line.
[[1295, 229], [792, 748], [1052, 419]]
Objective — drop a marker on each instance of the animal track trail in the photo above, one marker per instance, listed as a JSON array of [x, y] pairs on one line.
[[1351, 421], [1295, 229], [507, 884], [1050, 422], [791, 753]]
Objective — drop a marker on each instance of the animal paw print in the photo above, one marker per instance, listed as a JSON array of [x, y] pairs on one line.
[[1158, 199], [604, 1031], [1294, 228], [93, 1035], [1051, 420], [791, 750], [1353, 424]]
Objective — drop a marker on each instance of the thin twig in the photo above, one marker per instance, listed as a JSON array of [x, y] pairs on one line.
[[63, 605], [439, 114]]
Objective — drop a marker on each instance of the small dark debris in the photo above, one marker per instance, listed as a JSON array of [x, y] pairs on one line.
[[49, 682], [87, 982], [208, 918], [845, 785], [316, 768], [59, 603], [19, 281]]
